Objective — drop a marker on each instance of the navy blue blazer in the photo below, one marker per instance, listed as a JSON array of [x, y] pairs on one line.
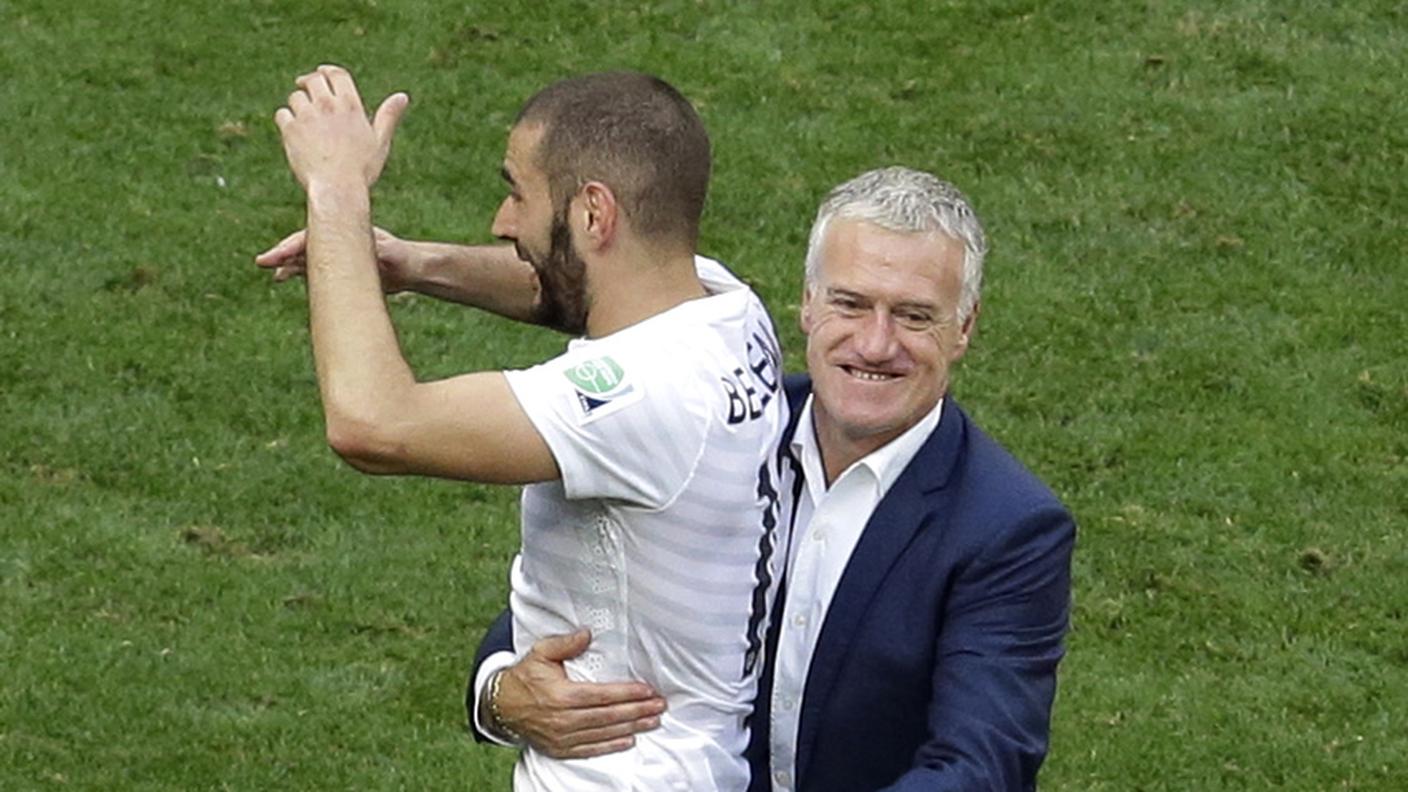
[[935, 668]]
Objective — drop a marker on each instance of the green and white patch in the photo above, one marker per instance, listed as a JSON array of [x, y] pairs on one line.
[[598, 377], [602, 387]]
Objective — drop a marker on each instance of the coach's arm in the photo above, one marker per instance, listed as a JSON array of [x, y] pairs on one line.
[[994, 678]]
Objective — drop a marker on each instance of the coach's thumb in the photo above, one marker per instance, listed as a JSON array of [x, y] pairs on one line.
[[388, 116], [558, 648]]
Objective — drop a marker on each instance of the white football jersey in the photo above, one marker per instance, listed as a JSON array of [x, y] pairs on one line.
[[661, 535]]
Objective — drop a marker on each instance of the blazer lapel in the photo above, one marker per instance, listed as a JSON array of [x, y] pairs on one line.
[[887, 534]]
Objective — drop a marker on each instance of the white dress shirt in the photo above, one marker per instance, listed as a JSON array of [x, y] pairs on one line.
[[827, 524]]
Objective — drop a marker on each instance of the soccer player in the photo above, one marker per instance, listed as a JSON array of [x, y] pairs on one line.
[[647, 448]]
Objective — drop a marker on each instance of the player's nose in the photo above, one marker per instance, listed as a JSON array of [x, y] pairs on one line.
[[505, 224]]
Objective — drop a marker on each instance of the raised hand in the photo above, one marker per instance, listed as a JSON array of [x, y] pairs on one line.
[[326, 135]]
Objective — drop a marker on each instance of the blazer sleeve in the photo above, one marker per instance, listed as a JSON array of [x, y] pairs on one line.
[[498, 638], [994, 677]]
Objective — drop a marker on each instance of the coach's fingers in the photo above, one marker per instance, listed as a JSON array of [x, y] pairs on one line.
[[615, 731], [624, 718], [557, 648], [584, 695], [594, 749]]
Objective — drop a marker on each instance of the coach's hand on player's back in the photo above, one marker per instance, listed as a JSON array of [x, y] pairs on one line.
[[327, 137], [572, 720], [398, 260]]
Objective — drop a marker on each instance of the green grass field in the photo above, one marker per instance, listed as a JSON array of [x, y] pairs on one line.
[[1194, 329]]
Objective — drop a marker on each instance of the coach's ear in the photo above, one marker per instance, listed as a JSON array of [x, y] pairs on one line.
[[965, 333], [804, 318]]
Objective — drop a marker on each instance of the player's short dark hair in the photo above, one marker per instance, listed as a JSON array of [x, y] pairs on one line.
[[634, 133]]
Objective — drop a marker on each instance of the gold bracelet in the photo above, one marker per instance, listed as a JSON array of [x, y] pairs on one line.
[[497, 717]]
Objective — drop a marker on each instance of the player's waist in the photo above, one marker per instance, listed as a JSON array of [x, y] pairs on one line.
[[674, 756]]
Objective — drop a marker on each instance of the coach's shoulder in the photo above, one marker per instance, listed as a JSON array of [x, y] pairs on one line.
[[989, 467]]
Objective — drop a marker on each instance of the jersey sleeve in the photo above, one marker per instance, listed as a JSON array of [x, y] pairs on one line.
[[621, 426]]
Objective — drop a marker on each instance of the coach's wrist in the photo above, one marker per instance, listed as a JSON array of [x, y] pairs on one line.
[[492, 719], [477, 698]]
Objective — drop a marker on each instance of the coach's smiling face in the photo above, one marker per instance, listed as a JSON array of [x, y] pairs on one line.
[[882, 332]]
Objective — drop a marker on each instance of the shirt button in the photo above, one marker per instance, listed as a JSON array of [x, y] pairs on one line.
[[818, 536], [788, 703], [800, 620], [783, 778]]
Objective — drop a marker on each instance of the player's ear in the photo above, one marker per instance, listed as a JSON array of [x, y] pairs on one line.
[[600, 214]]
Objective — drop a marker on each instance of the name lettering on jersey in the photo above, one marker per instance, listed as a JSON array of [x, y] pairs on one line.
[[601, 387], [749, 390]]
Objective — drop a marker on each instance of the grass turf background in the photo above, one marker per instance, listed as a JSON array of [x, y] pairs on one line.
[[1193, 329]]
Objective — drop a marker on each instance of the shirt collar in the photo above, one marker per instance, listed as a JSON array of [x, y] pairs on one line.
[[884, 463]]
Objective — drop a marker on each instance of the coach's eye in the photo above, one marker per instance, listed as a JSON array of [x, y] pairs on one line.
[[915, 320], [846, 305]]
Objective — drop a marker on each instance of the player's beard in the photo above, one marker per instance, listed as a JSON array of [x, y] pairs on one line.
[[562, 281]]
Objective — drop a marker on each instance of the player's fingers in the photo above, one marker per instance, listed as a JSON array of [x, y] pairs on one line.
[[277, 264], [388, 116], [316, 84], [340, 81], [282, 117], [292, 245], [557, 648], [298, 102], [288, 271]]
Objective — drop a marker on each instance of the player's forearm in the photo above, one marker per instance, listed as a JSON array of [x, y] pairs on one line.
[[489, 277], [361, 372]]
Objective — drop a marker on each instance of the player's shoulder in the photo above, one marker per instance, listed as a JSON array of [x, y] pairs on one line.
[[715, 275]]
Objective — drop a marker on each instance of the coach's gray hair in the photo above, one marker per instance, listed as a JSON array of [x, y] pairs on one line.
[[907, 201]]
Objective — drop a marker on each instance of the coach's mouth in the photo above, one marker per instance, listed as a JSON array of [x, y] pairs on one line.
[[869, 375]]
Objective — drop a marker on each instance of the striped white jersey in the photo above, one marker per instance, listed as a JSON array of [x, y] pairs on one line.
[[660, 535]]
